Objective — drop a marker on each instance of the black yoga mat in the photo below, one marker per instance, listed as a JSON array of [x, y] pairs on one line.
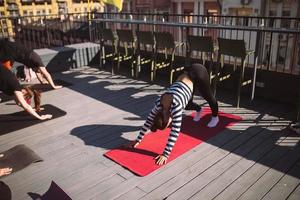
[[18, 158], [53, 193], [47, 87], [5, 98], [4, 191], [22, 119], [40, 87]]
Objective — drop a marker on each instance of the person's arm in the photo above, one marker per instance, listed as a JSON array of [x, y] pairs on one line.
[[44, 72], [149, 121], [28, 108], [176, 125]]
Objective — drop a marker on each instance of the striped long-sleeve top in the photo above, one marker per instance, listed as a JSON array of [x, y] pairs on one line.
[[181, 95]]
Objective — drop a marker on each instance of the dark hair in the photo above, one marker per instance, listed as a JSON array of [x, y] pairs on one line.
[[36, 97], [161, 120]]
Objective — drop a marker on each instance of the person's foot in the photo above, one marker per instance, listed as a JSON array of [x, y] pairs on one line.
[[213, 122], [197, 116], [57, 87]]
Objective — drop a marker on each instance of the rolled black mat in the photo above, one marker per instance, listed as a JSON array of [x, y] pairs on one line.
[[47, 87], [18, 157], [22, 119], [53, 193]]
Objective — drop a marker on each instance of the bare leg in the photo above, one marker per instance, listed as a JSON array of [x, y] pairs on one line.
[[41, 78], [46, 74], [4, 171]]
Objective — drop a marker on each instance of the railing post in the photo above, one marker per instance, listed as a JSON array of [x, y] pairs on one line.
[[48, 35], [138, 53], [256, 56], [187, 53], [90, 30]]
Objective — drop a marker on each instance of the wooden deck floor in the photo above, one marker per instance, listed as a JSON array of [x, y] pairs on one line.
[[259, 158]]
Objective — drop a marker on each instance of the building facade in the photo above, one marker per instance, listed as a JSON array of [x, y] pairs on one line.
[[15, 8]]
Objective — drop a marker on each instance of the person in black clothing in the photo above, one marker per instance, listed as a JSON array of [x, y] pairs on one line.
[[9, 85], [15, 51]]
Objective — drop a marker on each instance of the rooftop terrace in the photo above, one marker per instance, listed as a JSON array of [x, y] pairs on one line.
[[258, 158]]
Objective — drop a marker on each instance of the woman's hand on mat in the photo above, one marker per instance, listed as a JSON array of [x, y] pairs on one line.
[[132, 144], [161, 160], [44, 117], [5, 171], [57, 87]]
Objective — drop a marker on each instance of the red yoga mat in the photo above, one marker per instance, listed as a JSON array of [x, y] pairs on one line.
[[141, 161]]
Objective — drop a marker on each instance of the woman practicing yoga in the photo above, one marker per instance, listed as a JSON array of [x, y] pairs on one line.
[[15, 51], [9, 85], [169, 107]]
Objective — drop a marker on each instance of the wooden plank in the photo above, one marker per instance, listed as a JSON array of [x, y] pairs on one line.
[[295, 195], [272, 176], [204, 172], [286, 185], [245, 181], [133, 194], [223, 180], [100, 187]]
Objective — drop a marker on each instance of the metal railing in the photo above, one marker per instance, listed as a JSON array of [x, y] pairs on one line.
[[277, 47]]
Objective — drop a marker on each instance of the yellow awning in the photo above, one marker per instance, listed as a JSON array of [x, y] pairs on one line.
[[117, 3]]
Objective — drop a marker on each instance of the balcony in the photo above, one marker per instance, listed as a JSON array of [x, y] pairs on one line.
[[42, 1], [26, 2], [11, 1], [14, 14], [12, 7]]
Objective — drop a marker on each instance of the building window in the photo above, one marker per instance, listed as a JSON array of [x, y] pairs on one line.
[[25, 13]]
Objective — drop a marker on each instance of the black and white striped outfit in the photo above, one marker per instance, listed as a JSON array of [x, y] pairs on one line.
[[181, 95]]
